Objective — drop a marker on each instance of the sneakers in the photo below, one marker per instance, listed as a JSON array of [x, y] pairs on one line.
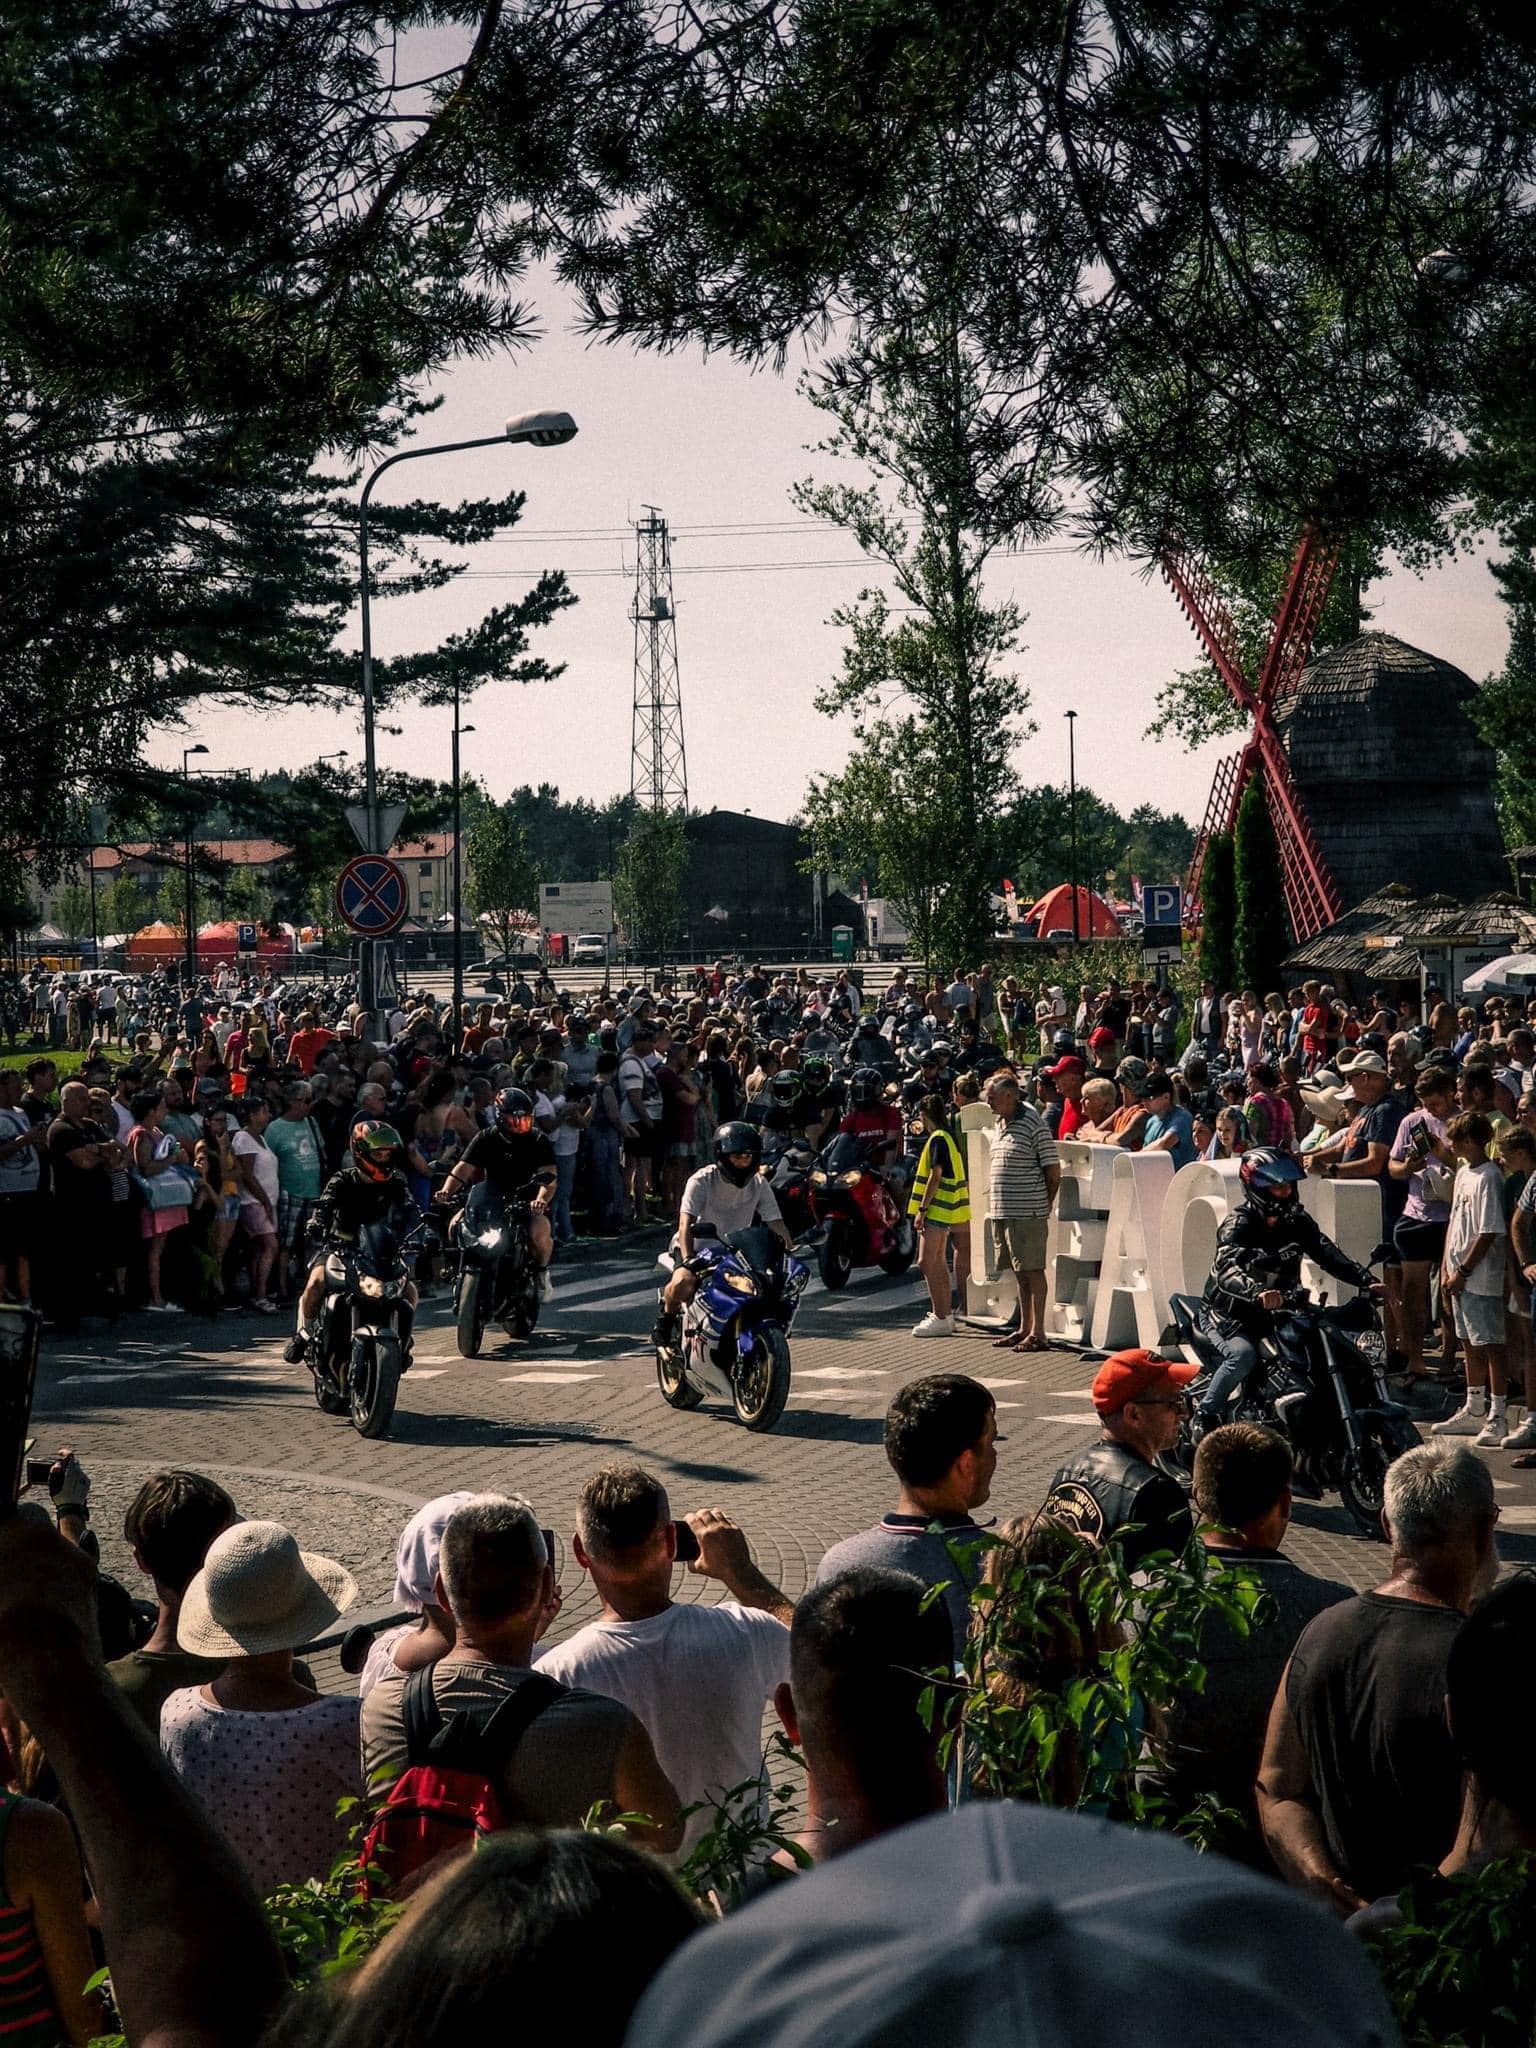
[[294, 1349], [1523, 1438], [1465, 1422], [935, 1326], [263, 1307], [1491, 1436], [546, 1284], [166, 1308]]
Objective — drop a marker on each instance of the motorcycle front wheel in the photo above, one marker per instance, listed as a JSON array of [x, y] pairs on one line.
[[471, 1312], [833, 1260], [903, 1249], [374, 1382], [760, 1384], [327, 1399], [677, 1390], [1362, 1483]]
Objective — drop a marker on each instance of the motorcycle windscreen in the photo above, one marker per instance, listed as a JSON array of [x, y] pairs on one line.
[[845, 1153], [758, 1246], [378, 1249], [486, 1207]]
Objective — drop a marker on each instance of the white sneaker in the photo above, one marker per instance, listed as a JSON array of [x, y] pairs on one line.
[[1491, 1436], [1465, 1422], [546, 1284], [934, 1325], [1523, 1438]]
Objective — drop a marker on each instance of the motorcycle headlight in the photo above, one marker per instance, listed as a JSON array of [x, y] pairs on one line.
[[851, 1180], [818, 1179], [371, 1287], [740, 1283], [488, 1238]]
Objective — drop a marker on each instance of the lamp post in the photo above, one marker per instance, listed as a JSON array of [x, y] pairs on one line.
[[1071, 718], [458, 878], [537, 430], [186, 776]]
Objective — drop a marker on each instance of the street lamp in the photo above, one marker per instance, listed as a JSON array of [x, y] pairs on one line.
[[1071, 718], [458, 879], [186, 776], [537, 430]]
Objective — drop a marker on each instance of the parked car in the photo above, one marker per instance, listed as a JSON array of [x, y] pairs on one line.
[[590, 949]]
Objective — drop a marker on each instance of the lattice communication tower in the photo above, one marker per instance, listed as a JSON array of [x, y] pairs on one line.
[[658, 775]]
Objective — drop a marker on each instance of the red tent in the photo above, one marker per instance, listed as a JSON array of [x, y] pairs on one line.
[[1053, 913], [214, 942]]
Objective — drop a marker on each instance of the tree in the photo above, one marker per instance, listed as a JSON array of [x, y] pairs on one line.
[[1261, 937], [1505, 715], [503, 879], [72, 910], [1218, 914], [919, 409], [648, 888]]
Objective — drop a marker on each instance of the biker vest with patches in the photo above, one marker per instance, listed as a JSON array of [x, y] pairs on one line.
[[1255, 1253], [1108, 1486]]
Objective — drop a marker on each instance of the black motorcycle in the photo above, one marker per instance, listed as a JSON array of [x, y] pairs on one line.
[[787, 1163], [497, 1278], [1316, 1386], [358, 1352]]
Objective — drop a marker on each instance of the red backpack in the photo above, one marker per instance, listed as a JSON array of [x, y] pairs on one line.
[[447, 1797]]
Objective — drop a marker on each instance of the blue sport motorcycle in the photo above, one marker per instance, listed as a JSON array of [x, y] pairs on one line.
[[734, 1341]]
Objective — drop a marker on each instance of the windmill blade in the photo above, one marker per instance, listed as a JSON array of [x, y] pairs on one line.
[[1227, 787], [1202, 604], [1312, 898], [1290, 640]]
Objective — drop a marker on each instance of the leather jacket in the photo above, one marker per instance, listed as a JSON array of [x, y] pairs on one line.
[[1108, 1485], [1257, 1249]]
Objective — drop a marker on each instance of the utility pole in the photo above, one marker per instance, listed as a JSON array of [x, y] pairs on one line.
[[1071, 716], [658, 776], [186, 776]]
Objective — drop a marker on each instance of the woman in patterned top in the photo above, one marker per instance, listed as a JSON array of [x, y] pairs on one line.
[[45, 1951]]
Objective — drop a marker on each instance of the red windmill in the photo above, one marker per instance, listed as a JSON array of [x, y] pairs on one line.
[[1312, 897]]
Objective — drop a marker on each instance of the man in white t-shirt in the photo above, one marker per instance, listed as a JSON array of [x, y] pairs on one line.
[[698, 1678]]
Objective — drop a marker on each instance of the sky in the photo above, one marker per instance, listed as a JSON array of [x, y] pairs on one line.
[[716, 447]]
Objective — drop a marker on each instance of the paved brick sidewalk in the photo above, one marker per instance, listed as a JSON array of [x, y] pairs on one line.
[[537, 1418]]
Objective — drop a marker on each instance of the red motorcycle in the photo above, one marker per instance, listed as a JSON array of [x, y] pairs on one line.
[[860, 1219]]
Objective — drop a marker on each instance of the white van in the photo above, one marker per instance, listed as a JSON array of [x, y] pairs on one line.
[[590, 950]]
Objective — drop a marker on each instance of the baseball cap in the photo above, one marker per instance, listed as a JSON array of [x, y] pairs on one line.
[[1129, 1375], [1007, 1922], [1101, 1035], [1132, 1069], [1069, 1063], [1510, 1078], [1363, 1063]]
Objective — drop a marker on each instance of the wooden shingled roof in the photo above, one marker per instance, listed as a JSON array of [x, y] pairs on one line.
[[1354, 944]]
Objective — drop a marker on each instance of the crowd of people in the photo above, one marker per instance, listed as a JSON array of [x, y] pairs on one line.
[[1352, 1742]]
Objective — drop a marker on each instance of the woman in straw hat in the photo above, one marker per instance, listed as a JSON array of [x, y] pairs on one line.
[[266, 1758]]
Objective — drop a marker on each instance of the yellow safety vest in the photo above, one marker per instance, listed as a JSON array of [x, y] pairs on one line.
[[951, 1204]]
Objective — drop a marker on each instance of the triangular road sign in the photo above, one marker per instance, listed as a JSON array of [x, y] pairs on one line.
[[390, 816]]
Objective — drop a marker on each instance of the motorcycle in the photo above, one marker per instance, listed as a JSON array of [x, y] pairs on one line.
[[496, 1278], [860, 1221], [734, 1341], [1316, 1387], [786, 1166], [357, 1353]]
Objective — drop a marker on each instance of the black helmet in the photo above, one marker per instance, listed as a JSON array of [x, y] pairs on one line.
[[376, 1149], [866, 1089], [786, 1086], [816, 1071], [912, 1013], [1063, 1041], [941, 1050], [514, 1111], [1270, 1178], [731, 1138]]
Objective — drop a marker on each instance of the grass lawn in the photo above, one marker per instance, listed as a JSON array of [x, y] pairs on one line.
[[67, 1062]]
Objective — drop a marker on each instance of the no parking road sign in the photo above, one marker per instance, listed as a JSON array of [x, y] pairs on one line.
[[371, 896]]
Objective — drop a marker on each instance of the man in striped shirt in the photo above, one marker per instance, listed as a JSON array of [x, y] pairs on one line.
[[1024, 1179]]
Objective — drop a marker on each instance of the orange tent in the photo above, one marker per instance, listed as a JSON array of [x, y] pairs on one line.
[[157, 942], [1053, 913]]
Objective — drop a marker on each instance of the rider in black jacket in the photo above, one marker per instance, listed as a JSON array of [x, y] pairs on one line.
[[1139, 1398], [369, 1188], [1259, 1250]]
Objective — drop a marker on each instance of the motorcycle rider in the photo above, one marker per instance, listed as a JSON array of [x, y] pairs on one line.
[[1139, 1399], [369, 1188], [821, 1099], [510, 1155], [730, 1195], [873, 1116], [1259, 1250]]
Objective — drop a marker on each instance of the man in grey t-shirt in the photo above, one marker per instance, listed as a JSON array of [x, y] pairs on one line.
[[941, 1439], [496, 1579]]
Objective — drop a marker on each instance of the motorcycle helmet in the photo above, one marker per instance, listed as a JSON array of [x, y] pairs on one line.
[[941, 1050], [816, 1072], [1062, 1041], [866, 1090], [912, 1014], [514, 1112], [809, 1020], [1269, 1178], [785, 1087], [376, 1149], [731, 1138]]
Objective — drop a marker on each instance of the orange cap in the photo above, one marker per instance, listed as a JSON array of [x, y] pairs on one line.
[[1133, 1375]]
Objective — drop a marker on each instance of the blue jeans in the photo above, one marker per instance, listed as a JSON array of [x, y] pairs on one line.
[[607, 1175], [565, 1180], [1239, 1359]]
